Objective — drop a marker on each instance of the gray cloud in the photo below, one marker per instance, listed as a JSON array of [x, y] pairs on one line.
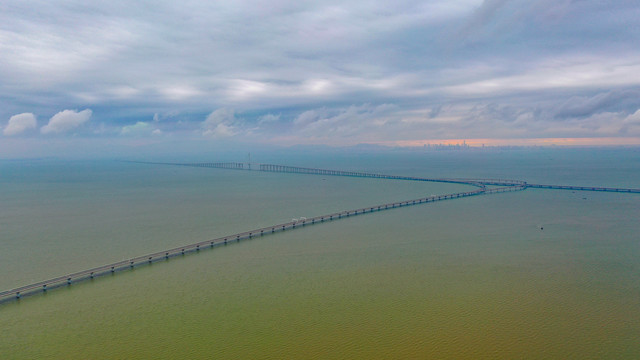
[[615, 100], [268, 118], [357, 123]]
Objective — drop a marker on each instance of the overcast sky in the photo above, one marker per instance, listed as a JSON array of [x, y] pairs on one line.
[[317, 72]]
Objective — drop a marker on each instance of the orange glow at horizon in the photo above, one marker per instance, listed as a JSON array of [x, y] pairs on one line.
[[604, 141]]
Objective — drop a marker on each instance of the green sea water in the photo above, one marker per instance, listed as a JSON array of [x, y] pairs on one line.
[[536, 274]]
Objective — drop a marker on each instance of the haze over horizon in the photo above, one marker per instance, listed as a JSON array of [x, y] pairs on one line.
[[83, 77]]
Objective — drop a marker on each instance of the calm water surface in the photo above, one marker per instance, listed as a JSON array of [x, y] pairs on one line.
[[471, 278]]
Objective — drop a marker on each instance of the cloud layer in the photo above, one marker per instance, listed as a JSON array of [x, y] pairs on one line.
[[329, 72]]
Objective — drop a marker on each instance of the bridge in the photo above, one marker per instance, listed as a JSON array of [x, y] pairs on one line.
[[584, 188], [482, 188]]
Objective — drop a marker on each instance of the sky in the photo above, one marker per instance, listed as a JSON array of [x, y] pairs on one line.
[[77, 75]]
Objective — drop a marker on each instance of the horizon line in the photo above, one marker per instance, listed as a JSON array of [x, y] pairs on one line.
[[481, 142]]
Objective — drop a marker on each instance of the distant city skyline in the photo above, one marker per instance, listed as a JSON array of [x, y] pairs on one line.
[[194, 74]]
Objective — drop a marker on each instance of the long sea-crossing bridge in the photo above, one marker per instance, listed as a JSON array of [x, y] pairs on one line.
[[480, 187]]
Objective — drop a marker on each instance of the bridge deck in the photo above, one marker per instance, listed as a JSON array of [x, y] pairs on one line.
[[584, 188], [182, 250], [481, 184]]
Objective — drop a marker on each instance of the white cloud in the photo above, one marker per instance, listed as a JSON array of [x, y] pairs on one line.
[[244, 89], [220, 123], [123, 92], [179, 92], [317, 86], [310, 116], [20, 123], [66, 120], [454, 68], [138, 128], [268, 118]]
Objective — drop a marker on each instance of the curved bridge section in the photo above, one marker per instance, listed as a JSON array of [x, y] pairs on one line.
[[164, 255], [484, 186]]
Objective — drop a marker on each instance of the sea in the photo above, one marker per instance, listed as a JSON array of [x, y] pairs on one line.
[[534, 274]]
